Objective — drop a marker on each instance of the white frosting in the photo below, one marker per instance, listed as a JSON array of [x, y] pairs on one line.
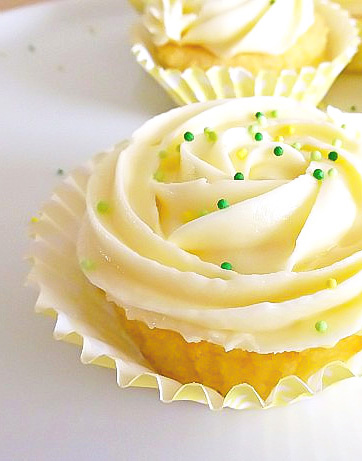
[[353, 6], [230, 27], [157, 253]]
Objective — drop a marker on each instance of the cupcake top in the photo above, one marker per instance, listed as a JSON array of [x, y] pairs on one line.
[[235, 221], [230, 27]]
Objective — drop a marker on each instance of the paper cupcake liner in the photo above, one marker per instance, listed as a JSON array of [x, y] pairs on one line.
[[86, 318], [309, 84]]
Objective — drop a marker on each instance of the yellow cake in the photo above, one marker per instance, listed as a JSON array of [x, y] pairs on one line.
[[228, 237]]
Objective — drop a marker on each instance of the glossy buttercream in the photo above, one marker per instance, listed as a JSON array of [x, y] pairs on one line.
[[230, 27], [154, 237]]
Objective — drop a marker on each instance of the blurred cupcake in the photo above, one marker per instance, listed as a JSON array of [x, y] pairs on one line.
[[222, 246], [207, 49], [355, 8]]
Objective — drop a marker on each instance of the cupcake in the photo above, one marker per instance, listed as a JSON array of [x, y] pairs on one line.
[[219, 252], [355, 8], [208, 49]]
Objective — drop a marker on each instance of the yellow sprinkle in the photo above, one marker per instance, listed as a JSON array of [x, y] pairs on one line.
[[279, 139], [34, 220], [290, 129], [242, 153], [332, 283]]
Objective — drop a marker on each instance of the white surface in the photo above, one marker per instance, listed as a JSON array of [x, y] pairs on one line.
[[76, 93]]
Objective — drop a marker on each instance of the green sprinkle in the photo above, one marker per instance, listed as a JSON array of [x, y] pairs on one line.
[[272, 2], [344, 126], [188, 136], [102, 207], [162, 154], [333, 156], [60, 172], [258, 115], [227, 266], [239, 176], [318, 174], [316, 156], [159, 176], [274, 114], [278, 151], [297, 145], [353, 108], [222, 203], [332, 173], [87, 264], [211, 136], [321, 326], [258, 137]]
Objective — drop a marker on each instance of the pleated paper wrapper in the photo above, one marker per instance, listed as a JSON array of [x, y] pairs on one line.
[[85, 317], [309, 84]]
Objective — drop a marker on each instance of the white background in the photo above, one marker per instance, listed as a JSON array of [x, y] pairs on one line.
[[69, 88]]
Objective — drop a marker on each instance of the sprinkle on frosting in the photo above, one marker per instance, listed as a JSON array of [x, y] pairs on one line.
[[102, 207], [227, 266], [318, 174], [188, 136], [241, 153], [222, 203], [332, 283], [159, 176], [239, 176], [333, 156], [87, 264], [258, 136], [60, 172], [297, 145], [332, 172], [321, 326], [259, 115], [252, 129], [211, 135], [278, 151], [316, 156]]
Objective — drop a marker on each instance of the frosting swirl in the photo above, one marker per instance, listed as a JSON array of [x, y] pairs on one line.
[[230, 27], [291, 230], [353, 6]]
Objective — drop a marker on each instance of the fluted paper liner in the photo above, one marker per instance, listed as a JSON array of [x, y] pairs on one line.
[[309, 84], [85, 317]]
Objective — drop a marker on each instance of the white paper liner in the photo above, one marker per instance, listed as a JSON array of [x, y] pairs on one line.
[[309, 84], [84, 317]]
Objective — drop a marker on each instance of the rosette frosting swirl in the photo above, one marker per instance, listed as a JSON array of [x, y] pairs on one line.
[[233, 221], [230, 27]]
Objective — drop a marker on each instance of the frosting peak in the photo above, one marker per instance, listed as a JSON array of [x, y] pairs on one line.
[[230, 27]]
